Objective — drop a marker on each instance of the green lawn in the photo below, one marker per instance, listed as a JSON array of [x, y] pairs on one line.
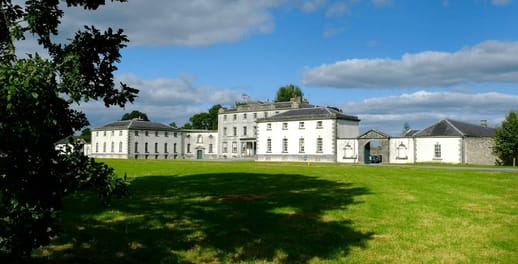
[[252, 212]]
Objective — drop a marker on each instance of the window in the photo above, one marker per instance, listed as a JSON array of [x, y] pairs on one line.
[[165, 148], [284, 126], [210, 148], [244, 116], [301, 145], [136, 147], [301, 125], [234, 147], [112, 149], [255, 130], [437, 151], [224, 131], [96, 133], [234, 117], [145, 148], [284, 145], [255, 115], [225, 117], [156, 147], [265, 114], [136, 133], [269, 126], [174, 147], [175, 134], [104, 133], [113, 133], [188, 148], [319, 124], [199, 140], [244, 131], [156, 133], [96, 147], [120, 132], [146, 133], [235, 131], [104, 147], [120, 146], [166, 134], [225, 148], [269, 145], [319, 145]]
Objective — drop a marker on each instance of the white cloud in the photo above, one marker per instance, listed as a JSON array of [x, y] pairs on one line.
[[176, 22], [381, 3], [337, 9], [163, 100], [311, 5], [489, 61], [422, 108], [500, 2]]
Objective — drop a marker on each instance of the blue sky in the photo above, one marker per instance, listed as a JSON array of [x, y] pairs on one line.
[[386, 61]]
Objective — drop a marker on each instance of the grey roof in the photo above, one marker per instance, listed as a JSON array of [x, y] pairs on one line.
[[310, 114], [135, 125], [452, 128], [411, 132]]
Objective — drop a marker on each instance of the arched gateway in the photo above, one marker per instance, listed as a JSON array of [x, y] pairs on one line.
[[373, 147]]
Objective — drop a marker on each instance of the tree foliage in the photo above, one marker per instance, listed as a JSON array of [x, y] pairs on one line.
[[36, 98], [135, 115], [506, 139], [204, 120], [285, 93]]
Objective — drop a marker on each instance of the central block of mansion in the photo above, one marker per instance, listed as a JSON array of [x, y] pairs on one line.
[[293, 131]]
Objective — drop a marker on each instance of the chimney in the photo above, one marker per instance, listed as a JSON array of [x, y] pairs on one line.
[[483, 123]]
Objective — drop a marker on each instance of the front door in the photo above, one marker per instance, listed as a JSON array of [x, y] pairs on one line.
[[199, 154]]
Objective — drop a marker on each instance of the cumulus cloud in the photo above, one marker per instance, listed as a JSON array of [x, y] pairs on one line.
[[500, 2], [423, 108], [337, 9], [163, 100], [489, 61], [176, 22]]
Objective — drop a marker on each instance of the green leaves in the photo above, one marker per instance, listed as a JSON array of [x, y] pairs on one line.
[[506, 139], [35, 105]]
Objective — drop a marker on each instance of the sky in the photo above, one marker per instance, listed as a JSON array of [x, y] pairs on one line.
[[389, 62]]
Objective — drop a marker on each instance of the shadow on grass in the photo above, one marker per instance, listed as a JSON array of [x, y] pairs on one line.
[[212, 218]]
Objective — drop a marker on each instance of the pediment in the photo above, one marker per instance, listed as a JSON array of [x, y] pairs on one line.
[[373, 134]]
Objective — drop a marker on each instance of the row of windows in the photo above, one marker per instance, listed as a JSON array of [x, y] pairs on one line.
[[234, 131], [156, 133], [284, 149], [302, 125], [245, 116], [146, 133]]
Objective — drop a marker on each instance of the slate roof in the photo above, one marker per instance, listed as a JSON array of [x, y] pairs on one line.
[[310, 114], [452, 128], [135, 125]]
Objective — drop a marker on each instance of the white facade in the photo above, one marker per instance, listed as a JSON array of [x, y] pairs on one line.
[[290, 132], [438, 149], [238, 128], [136, 139], [303, 135]]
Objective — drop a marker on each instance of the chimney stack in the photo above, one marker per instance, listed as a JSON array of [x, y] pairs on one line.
[[483, 123]]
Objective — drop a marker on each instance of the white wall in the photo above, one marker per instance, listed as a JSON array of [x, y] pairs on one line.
[[451, 149], [347, 150], [102, 141], [310, 132], [402, 150]]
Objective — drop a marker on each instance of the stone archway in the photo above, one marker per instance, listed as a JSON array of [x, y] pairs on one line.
[[374, 147]]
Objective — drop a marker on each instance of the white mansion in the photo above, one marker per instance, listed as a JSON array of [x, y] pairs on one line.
[[293, 131]]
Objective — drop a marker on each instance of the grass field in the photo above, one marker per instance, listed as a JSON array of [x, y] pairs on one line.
[[251, 212]]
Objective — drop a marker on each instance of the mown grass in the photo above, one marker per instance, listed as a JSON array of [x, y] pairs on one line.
[[252, 212]]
